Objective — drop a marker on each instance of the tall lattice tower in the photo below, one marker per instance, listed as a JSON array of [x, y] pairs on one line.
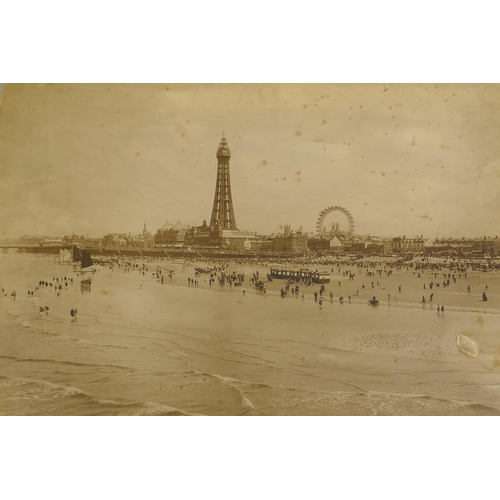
[[223, 211]]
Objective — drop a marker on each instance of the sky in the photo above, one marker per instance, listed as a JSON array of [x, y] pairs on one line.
[[402, 159]]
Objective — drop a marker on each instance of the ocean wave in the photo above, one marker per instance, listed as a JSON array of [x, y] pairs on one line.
[[84, 343], [42, 387], [236, 385], [46, 398], [71, 363], [246, 402], [157, 409], [231, 382], [378, 403]]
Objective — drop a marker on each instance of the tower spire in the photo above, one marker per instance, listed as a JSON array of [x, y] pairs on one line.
[[223, 211]]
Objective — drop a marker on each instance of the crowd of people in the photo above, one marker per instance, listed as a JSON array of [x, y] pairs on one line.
[[435, 275]]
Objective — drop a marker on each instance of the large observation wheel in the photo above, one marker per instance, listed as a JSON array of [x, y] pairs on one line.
[[324, 213]]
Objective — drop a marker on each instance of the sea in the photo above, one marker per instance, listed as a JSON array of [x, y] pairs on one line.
[[142, 347]]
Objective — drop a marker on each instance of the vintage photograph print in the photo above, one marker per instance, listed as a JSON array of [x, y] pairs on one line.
[[259, 249]]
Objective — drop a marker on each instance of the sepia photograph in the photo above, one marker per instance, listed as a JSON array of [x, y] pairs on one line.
[[249, 249], [278, 220]]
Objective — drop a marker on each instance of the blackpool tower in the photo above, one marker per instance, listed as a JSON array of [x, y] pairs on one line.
[[223, 211]]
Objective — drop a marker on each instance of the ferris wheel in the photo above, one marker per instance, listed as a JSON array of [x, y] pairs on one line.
[[323, 214]]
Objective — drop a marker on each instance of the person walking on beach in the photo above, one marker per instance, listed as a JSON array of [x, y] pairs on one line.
[[72, 313], [442, 309]]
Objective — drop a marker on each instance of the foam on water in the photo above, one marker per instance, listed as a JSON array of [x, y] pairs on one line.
[[38, 397], [85, 343], [246, 402], [151, 409], [41, 387]]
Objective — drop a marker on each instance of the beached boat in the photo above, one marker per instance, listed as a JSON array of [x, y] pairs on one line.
[[65, 256], [86, 265]]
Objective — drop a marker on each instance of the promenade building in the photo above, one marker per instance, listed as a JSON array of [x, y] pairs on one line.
[[171, 234], [402, 245], [290, 242], [465, 247]]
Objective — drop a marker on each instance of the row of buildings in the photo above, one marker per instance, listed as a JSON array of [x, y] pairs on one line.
[[223, 234], [289, 242], [300, 242]]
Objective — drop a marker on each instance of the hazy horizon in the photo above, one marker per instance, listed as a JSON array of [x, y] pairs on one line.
[[98, 159]]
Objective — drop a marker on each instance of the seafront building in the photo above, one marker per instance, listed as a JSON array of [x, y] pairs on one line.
[[402, 245], [171, 234], [294, 242]]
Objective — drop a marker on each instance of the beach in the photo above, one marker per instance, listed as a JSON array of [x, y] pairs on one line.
[[142, 347]]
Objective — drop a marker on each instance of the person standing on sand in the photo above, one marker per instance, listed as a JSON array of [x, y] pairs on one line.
[[439, 309], [72, 312]]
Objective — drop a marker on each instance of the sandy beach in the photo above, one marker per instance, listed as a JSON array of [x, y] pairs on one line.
[[140, 347]]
